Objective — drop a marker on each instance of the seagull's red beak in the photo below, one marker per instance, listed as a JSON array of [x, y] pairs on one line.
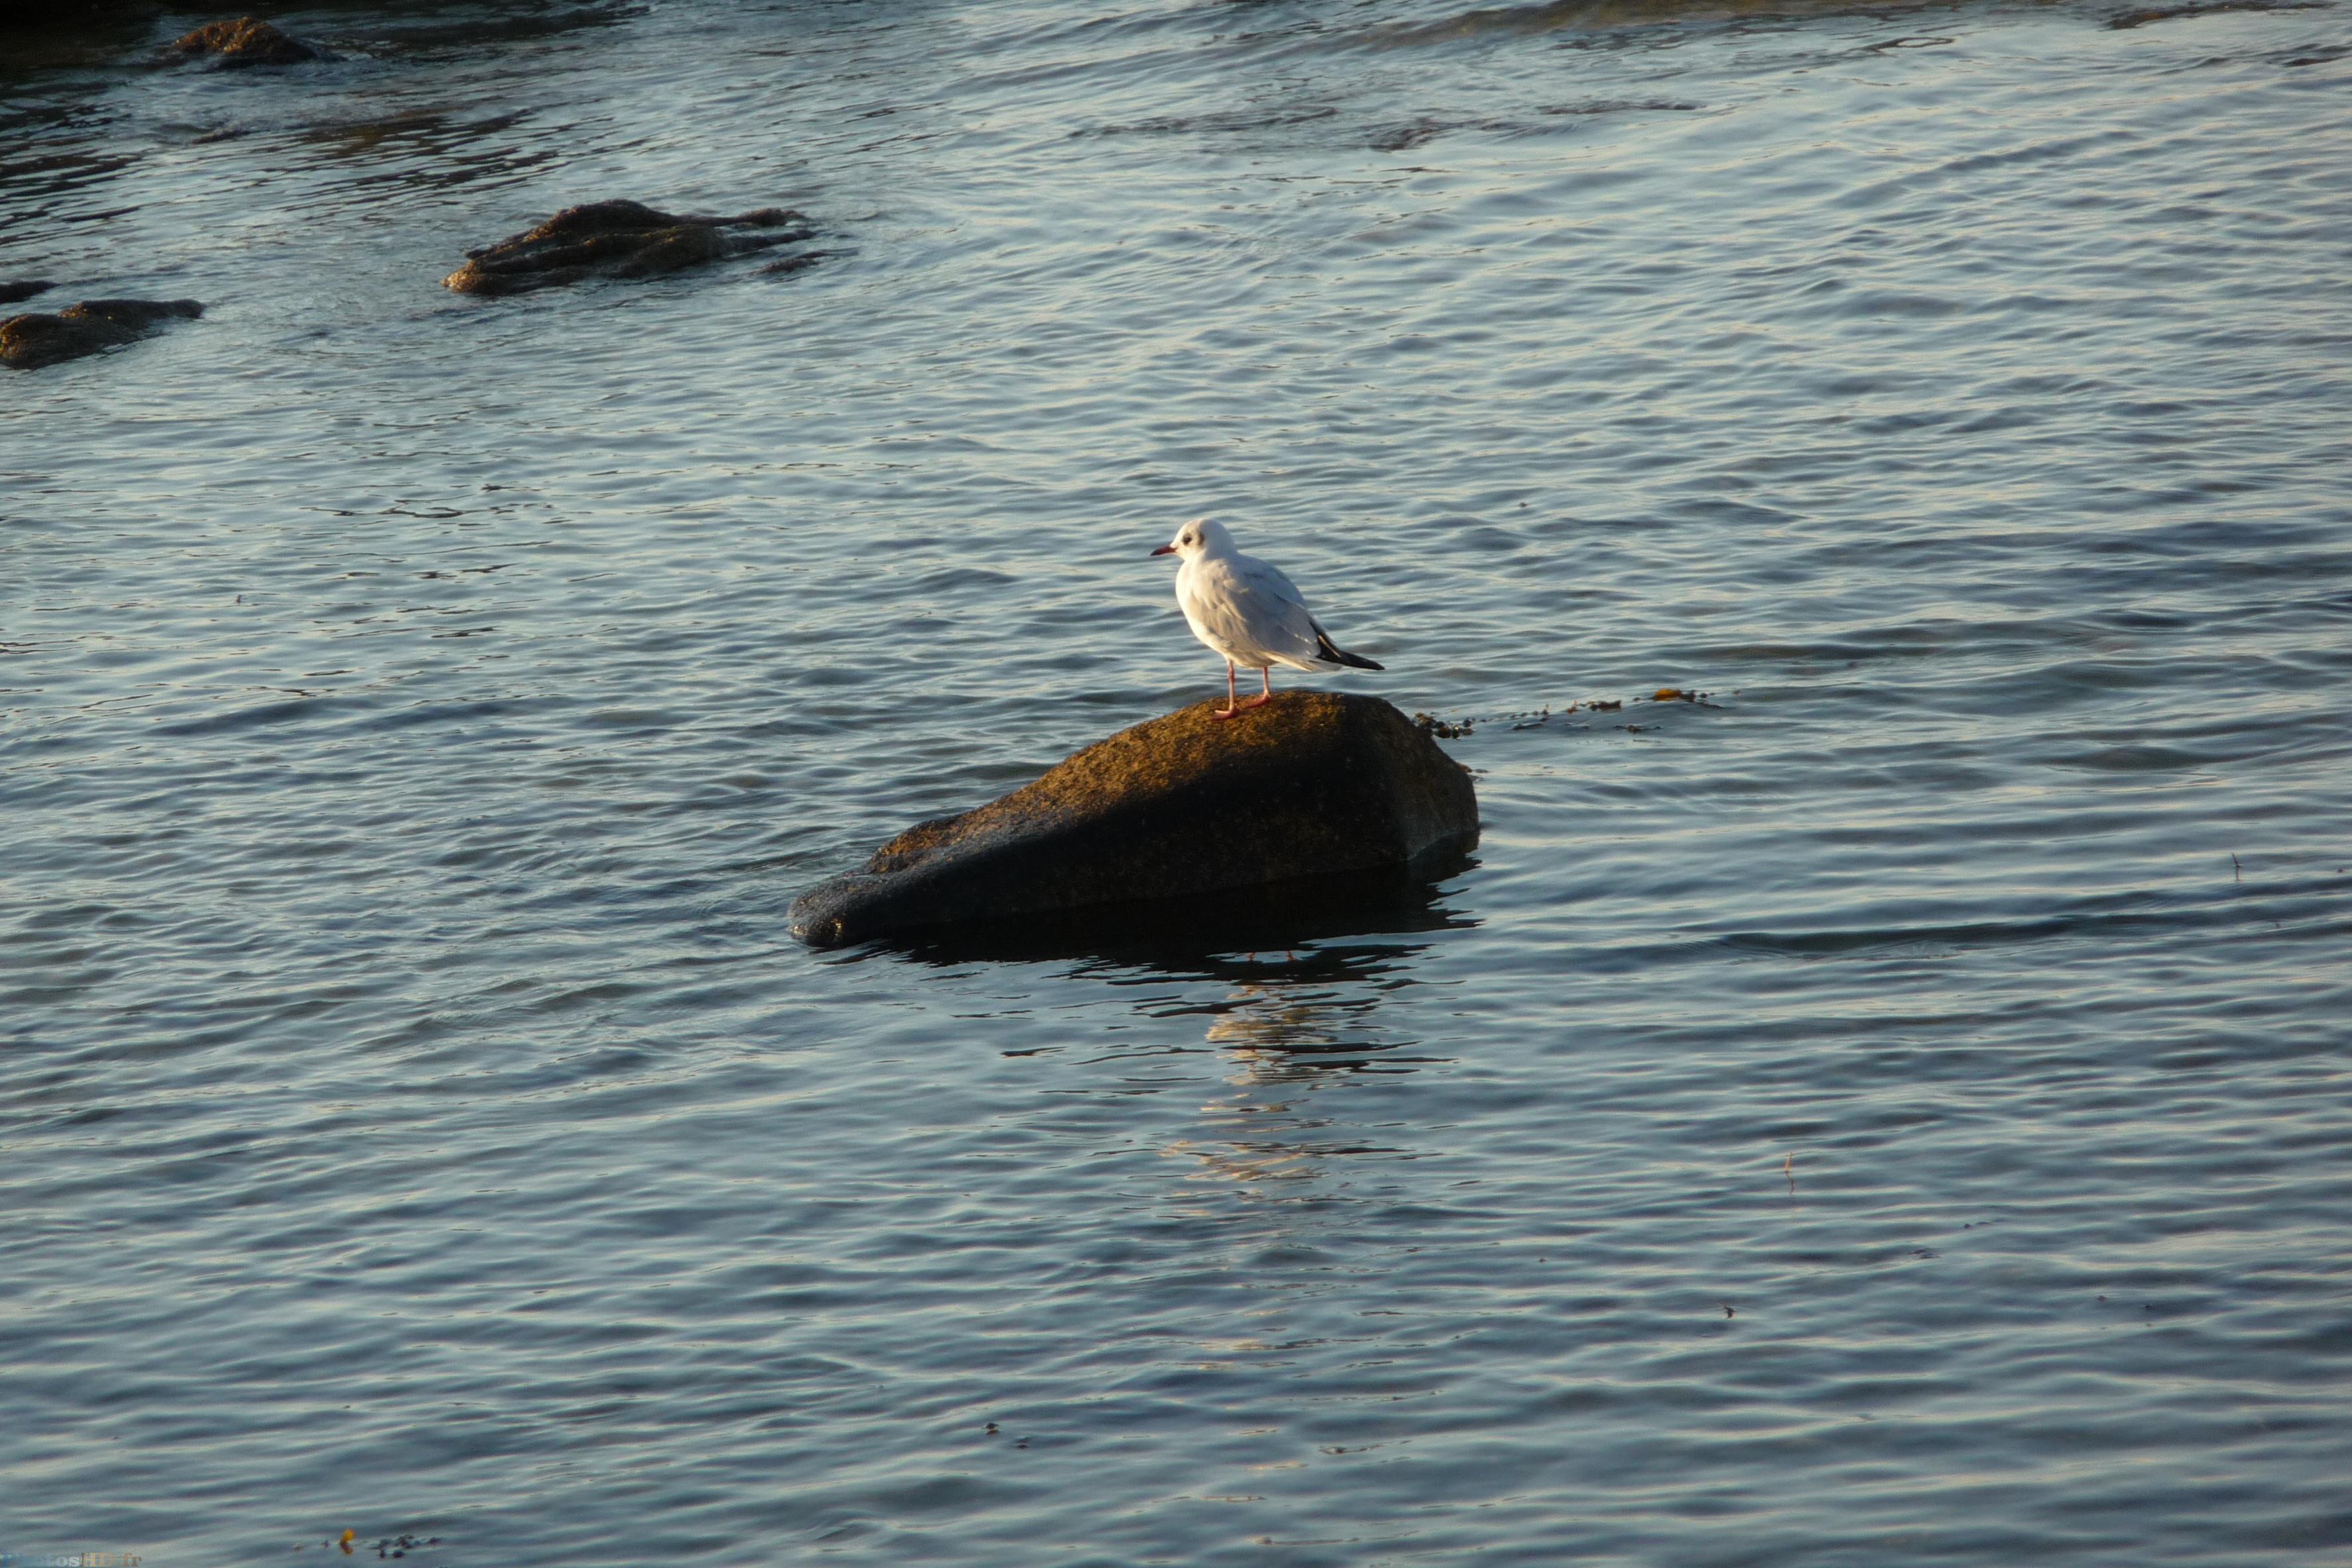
[[1165, 549]]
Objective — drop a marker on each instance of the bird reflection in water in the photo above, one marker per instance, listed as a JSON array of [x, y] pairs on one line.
[[1281, 1035], [1289, 1027], [1288, 1035]]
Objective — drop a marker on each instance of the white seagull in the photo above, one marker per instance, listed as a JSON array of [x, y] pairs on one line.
[[1247, 612]]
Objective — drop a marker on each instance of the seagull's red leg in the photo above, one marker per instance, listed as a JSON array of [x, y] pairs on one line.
[[1231, 707], [1262, 699]]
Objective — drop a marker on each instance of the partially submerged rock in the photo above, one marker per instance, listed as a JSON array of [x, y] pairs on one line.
[[1207, 933], [619, 239], [1314, 785], [32, 340], [248, 41], [14, 289]]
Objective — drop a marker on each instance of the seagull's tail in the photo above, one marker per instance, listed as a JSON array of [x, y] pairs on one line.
[[1337, 655]]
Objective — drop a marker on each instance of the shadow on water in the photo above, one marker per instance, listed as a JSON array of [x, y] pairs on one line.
[[1294, 931], [428, 30], [132, 33], [2223, 910], [1484, 24]]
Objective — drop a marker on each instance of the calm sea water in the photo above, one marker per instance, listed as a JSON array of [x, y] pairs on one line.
[[1892, 1111]]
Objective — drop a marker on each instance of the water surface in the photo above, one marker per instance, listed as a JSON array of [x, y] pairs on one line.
[[1891, 1110]]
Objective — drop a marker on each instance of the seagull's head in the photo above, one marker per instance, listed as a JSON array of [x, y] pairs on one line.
[[1196, 538]]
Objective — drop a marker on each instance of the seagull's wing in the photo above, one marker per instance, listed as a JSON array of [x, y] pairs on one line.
[[1249, 605]]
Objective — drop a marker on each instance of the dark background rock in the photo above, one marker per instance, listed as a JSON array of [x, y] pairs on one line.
[[619, 239], [31, 340], [23, 289], [248, 41], [1314, 785]]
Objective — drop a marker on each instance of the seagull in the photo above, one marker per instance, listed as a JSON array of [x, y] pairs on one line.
[[1248, 613]]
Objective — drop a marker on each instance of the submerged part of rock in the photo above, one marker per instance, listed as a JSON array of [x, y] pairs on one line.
[[1313, 786], [35, 339], [1205, 934], [620, 239], [248, 41], [14, 289]]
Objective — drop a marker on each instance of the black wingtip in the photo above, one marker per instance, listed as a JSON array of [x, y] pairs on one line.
[[1337, 655]]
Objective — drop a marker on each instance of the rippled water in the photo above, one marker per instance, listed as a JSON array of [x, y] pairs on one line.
[[1892, 1111]]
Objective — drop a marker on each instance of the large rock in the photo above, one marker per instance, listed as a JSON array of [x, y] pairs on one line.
[[1313, 787], [35, 339], [619, 239], [248, 41]]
